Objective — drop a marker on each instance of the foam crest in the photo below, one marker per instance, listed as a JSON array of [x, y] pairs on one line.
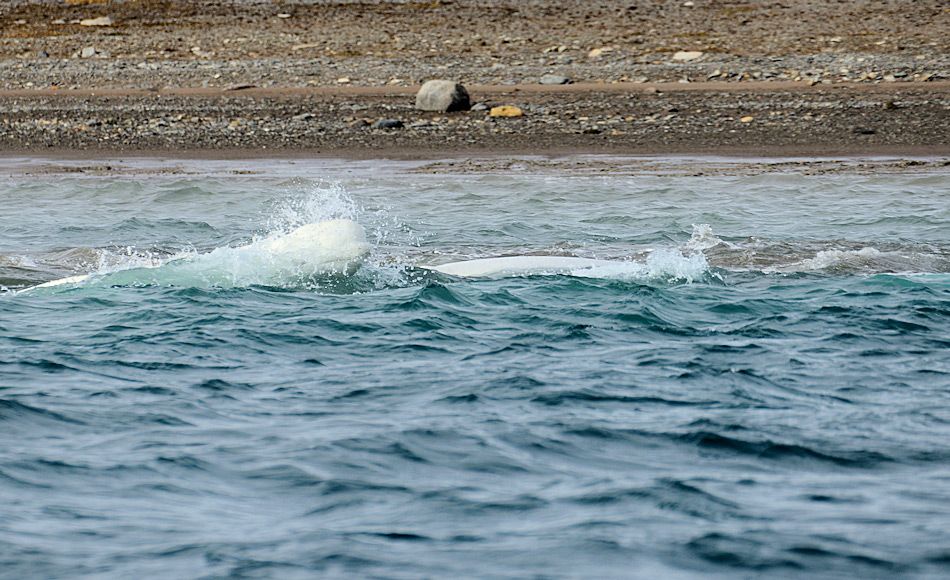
[[826, 259], [871, 260], [702, 238], [666, 265]]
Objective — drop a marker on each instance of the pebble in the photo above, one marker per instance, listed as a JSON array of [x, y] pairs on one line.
[[747, 119], [687, 55], [388, 124], [555, 80], [479, 107], [87, 52], [599, 52], [442, 96], [100, 21], [506, 111], [42, 54]]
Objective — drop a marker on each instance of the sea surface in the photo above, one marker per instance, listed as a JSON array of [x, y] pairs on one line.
[[759, 387]]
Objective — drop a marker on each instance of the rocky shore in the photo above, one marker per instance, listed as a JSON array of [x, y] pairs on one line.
[[602, 76], [791, 120]]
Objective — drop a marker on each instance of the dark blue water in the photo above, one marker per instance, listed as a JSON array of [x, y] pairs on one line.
[[761, 390]]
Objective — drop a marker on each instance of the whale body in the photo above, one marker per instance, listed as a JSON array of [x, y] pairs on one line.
[[520, 266], [331, 247]]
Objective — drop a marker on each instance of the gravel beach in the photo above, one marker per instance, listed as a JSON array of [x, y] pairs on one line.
[[607, 76]]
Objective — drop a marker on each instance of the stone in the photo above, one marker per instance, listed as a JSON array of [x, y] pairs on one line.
[[687, 55], [506, 111], [388, 124], [101, 21], [343, 80], [87, 52], [599, 52], [555, 80], [747, 119], [42, 54], [479, 107], [442, 96]]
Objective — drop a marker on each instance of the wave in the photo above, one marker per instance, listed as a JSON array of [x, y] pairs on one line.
[[818, 256]]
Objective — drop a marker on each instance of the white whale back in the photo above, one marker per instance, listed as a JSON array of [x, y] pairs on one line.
[[518, 266], [330, 247], [332, 240]]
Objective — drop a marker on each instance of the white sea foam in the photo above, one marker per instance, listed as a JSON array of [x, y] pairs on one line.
[[833, 258], [663, 264], [702, 238]]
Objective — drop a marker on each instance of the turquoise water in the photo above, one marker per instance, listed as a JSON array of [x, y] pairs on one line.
[[760, 386]]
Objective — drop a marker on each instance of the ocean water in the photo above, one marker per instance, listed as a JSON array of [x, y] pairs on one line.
[[757, 386]]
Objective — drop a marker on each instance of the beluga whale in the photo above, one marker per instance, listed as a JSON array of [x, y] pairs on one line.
[[520, 266], [326, 248]]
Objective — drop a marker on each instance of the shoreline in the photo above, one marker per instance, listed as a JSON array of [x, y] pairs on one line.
[[769, 153], [183, 163]]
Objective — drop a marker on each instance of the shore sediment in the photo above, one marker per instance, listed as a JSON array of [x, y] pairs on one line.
[[314, 77], [788, 119]]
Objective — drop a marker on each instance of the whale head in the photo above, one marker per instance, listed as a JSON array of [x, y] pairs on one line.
[[331, 246]]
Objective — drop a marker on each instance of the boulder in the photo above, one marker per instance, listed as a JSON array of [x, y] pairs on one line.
[[442, 96]]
